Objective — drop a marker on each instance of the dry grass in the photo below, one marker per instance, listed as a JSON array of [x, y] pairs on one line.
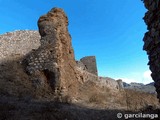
[[92, 95], [15, 83]]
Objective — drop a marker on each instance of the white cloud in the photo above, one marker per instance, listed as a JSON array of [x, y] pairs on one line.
[[144, 77], [147, 77], [147, 74]]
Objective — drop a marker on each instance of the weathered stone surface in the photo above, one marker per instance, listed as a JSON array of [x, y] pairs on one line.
[[81, 65], [152, 39], [55, 57], [113, 84], [18, 43]]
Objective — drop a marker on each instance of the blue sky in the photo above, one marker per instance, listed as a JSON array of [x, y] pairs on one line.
[[112, 30]]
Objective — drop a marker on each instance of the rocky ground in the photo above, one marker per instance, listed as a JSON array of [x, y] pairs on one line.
[[15, 109], [21, 100]]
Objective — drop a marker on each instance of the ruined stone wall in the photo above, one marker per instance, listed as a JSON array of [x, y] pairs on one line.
[[18, 44], [54, 60], [81, 65], [152, 39], [84, 76], [90, 64], [120, 84], [110, 83]]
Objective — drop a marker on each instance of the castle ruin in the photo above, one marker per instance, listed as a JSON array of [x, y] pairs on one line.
[[48, 57], [90, 64]]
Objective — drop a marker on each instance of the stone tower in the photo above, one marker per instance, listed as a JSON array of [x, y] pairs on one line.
[[90, 64]]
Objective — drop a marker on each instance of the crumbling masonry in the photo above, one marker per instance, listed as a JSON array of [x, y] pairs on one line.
[[54, 60], [152, 40]]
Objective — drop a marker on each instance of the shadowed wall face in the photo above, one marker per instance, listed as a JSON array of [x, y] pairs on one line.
[[152, 40]]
